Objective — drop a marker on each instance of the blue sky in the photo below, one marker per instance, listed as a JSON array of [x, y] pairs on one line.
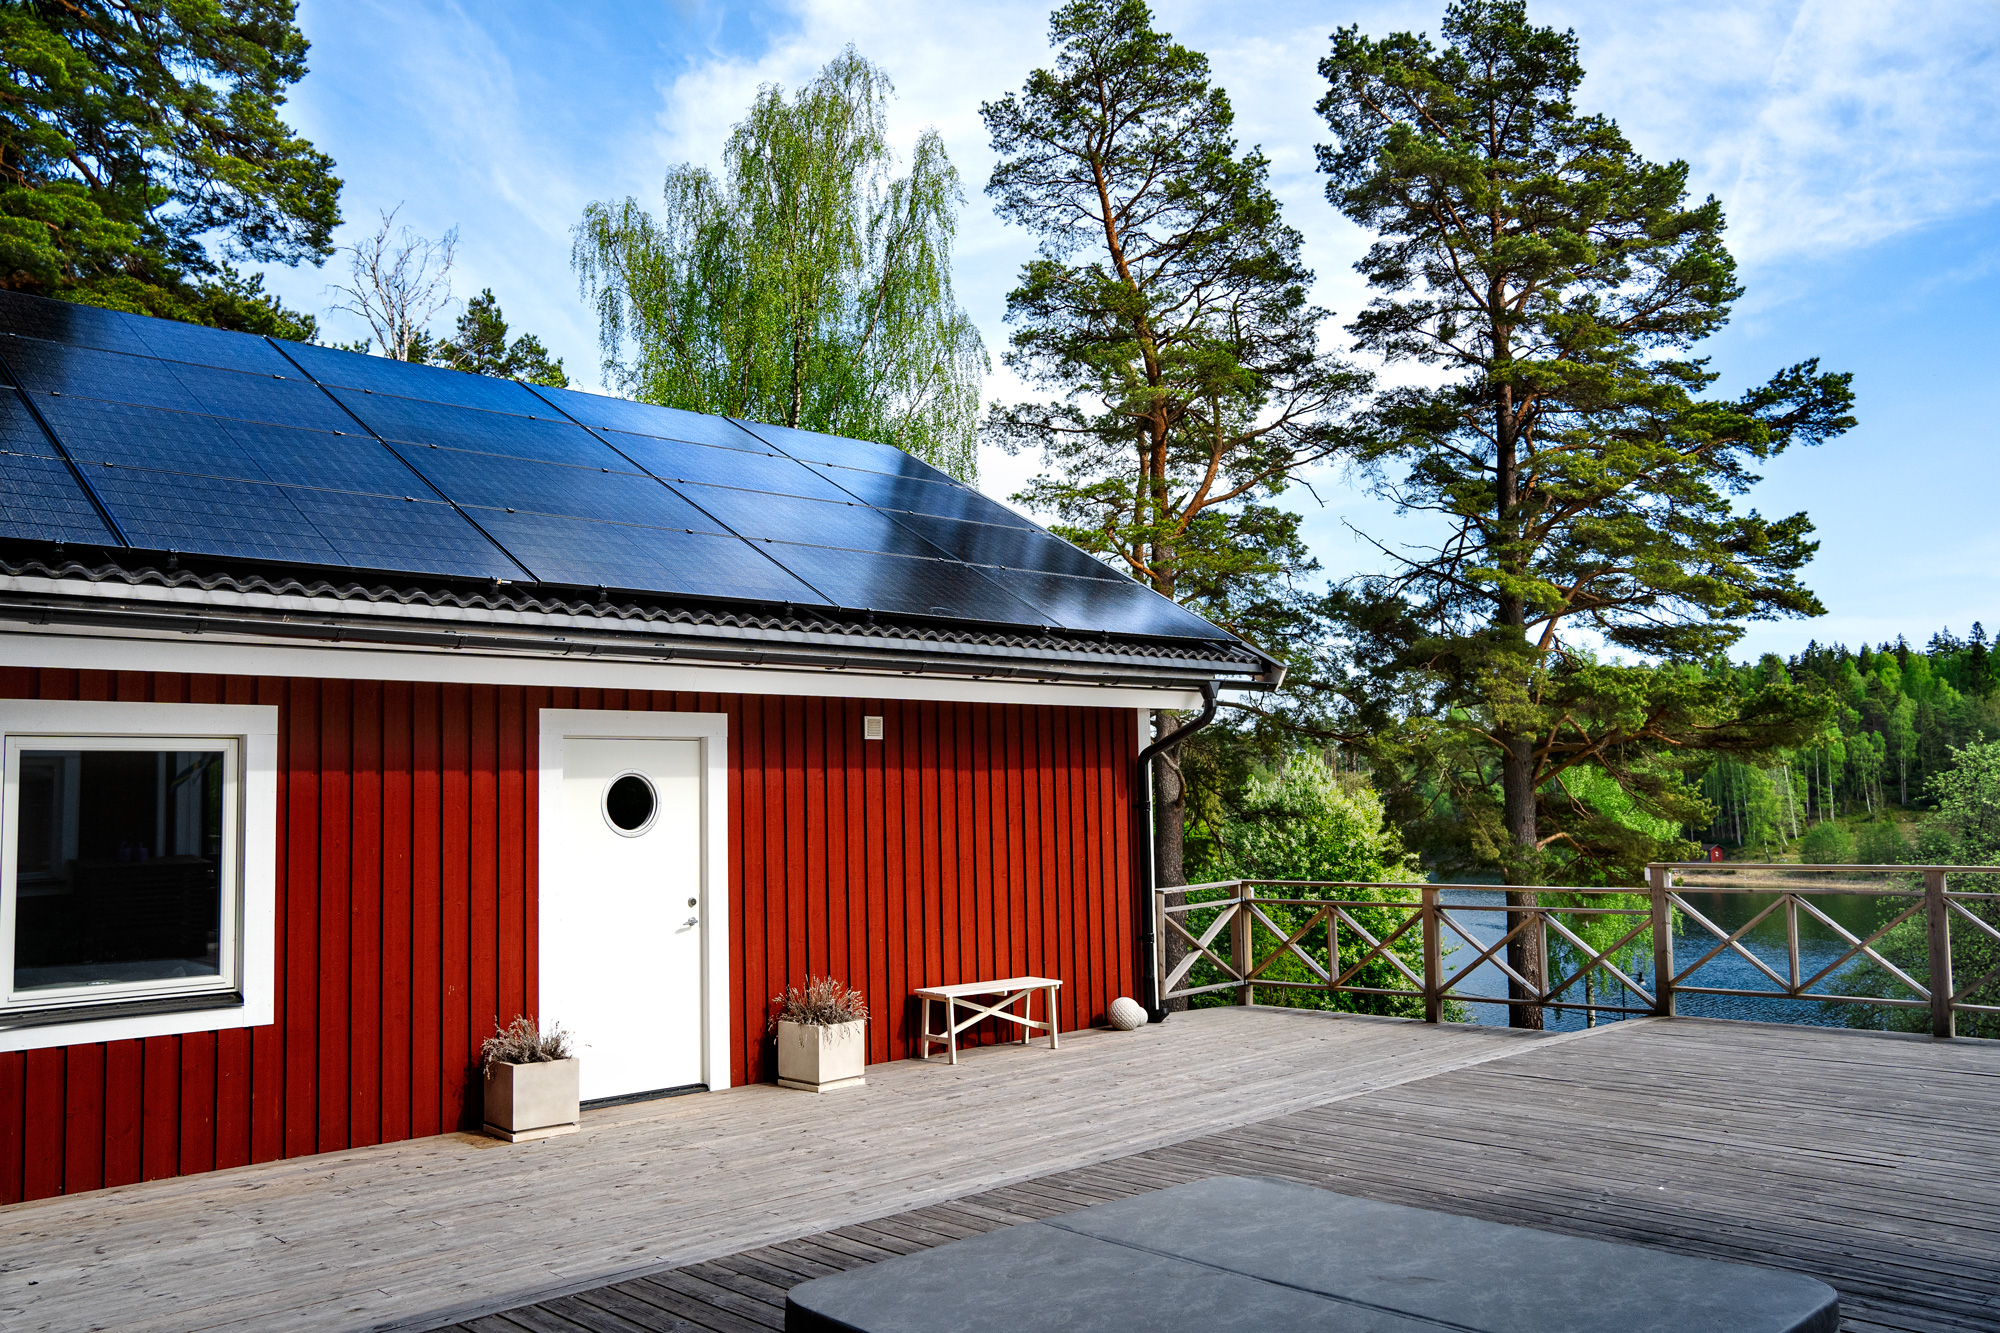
[[1855, 146]]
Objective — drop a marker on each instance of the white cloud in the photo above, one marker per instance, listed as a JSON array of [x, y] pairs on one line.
[[1823, 126]]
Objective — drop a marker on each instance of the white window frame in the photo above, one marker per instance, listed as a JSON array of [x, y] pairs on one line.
[[242, 996]]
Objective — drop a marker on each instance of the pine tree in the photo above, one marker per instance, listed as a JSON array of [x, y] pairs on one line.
[[1166, 325], [1552, 283], [142, 152], [1978, 663], [479, 346]]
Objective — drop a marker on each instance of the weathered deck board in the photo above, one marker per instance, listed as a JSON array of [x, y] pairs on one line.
[[406, 1234], [1865, 1161]]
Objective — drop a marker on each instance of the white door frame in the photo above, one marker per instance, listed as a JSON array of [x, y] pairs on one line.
[[712, 731]]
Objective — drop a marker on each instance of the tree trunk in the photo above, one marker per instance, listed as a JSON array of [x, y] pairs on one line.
[[1169, 851], [1524, 951], [1517, 757]]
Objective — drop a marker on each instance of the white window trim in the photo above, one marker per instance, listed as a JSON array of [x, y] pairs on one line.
[[254, 729], [712, 730]]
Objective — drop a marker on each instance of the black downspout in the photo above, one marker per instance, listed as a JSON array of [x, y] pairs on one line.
[[1142, 810]]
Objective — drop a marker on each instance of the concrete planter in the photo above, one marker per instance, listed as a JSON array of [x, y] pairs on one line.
[[814, 1057], [531, 1101]]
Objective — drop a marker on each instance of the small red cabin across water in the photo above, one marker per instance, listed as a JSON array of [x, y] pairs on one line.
[[351, 706]]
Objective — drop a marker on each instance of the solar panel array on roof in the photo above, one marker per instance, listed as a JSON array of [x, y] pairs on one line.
[[222, 444]]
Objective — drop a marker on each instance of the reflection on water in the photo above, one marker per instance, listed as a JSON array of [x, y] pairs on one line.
[[1818, 948]]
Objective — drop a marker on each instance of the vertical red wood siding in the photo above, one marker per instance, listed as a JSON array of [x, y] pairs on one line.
[[973, 840]]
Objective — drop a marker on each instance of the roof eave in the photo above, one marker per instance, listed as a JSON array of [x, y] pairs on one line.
[[640, 642]]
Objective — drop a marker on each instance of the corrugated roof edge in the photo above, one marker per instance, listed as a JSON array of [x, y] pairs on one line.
[[517, 610]]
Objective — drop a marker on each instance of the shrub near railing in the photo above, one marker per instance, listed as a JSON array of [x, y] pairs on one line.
[[1292, 935], [1972, 922], [1303, 825]]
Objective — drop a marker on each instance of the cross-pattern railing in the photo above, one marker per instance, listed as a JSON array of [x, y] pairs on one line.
[[1288, 935]]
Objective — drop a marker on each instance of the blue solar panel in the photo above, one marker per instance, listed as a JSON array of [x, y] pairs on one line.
[[251, 451], [100, 432], [553, 488], [904, 585], [225, 516], [618, 555], [44, 367], [945, 499], [59, 321], [596, 409], [785, 518], [415, 422], [1117, 605], [292, 401], [116, 331], [20, 433], [52, 368], [379, 374], [677, 461], [349, 462], [349, 501], [1007, 547], [812, 447], [217, 443], [39, 499], [39, 495], [176, 511], [417, 536], [213, 347]]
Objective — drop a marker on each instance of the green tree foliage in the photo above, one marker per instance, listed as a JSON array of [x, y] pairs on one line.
[[1755, 805], [1881, 844], [479, 346], [1828, 844], [1896, 716], [1605, 936], [1964, 829], [1309, 822], [1551, 283], [137, 134], [805, 286]]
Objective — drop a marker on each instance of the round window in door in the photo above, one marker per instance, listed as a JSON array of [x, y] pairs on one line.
[[630, 803]]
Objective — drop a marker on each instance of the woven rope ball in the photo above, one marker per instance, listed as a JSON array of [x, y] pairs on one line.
[[1127, 1014]]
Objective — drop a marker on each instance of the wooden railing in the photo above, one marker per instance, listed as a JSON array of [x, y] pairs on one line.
[[1250, 933]]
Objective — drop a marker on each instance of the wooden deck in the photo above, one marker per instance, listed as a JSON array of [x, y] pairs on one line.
[[414, 1234], [1868, 1161]]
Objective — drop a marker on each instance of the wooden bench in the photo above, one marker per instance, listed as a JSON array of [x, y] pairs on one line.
[[970, 994]]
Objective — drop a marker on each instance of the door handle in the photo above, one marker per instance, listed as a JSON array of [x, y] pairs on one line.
[[693, 920]]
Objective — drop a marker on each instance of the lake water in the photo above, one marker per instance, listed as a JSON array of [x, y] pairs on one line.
[[1818, 947]]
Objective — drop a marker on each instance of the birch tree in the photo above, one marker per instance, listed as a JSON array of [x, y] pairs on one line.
[[807, 285]]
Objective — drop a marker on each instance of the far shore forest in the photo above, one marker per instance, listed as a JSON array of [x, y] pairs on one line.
[[1901, 717]]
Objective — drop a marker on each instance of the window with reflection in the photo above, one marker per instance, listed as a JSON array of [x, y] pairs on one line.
[[120, 870]]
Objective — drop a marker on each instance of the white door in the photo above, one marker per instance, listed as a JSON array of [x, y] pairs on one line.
[[623, 913]]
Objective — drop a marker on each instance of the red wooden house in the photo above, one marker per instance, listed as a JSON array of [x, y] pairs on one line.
[[351, 706]]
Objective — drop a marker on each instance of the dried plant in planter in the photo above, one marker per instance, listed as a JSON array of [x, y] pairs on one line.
[[821, 1002], [522, 1043]]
